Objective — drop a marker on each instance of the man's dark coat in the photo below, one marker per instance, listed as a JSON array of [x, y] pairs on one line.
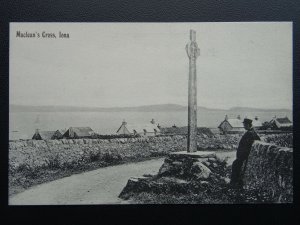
[[242, 154]]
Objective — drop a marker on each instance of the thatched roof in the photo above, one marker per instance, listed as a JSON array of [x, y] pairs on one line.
[[237, 123], [62, 131], [79, 131], [138, 128], [282, 122], [44, 135]]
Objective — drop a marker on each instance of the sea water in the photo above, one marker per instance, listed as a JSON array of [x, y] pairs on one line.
[[22, 125]]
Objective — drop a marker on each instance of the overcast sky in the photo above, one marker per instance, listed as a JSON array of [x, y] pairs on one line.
[[132, 64]]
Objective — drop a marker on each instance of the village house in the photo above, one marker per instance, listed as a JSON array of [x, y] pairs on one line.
[[235, 125], [47, 135], [281, 123], [79, 132], [151, 129]]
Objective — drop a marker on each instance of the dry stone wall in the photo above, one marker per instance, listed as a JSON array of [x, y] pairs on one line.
[[283, 140], [36, 154], [65, 153], [270, 170]]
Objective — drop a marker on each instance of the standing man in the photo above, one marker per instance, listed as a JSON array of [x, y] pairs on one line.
[[242, 154]]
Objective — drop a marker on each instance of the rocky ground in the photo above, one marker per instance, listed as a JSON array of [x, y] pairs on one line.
[[204, 180], [182, 179], [216, 194]]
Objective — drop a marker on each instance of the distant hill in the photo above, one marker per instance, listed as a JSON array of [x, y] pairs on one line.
[[146, 108], [249, 109]]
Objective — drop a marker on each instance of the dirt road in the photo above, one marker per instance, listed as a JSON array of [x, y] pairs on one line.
[[101, 186]]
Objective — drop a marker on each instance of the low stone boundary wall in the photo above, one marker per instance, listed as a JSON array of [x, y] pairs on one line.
[[270, 170], [283, 139], [65, 153], [69, 153], [33, 154]]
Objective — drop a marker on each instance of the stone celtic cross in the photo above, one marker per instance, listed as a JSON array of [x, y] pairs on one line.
[[193, 52]]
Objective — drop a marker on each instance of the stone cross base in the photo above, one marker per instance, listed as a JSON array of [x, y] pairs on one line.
[[187, 164], [181, 173]]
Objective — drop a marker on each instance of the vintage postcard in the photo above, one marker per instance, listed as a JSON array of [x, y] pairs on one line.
[[150, 113]]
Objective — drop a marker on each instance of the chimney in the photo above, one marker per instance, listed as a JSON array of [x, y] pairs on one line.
[[226, 117], [239, 117], [256, 117], [152, 121], [124, 122]]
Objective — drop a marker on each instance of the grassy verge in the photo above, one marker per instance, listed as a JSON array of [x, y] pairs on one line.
[[216, 194]]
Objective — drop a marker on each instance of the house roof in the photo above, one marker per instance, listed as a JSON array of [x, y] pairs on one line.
[[237, 123], [46, 134], [62, 131], [139, 128], [283, 120], [256, 123], [82, 131]]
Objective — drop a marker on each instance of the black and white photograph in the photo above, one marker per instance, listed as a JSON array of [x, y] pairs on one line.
[[150, 113]]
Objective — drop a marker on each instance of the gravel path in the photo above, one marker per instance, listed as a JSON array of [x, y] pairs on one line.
[[101, 186]]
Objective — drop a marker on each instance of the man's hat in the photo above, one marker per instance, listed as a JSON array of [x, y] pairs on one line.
[[247, 121]]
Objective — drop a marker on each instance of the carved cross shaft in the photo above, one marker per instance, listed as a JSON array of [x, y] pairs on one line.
[[193, 52], [192, 47]]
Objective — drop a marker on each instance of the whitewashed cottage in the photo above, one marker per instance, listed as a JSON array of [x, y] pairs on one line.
[[235, 125], [149, 129]]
